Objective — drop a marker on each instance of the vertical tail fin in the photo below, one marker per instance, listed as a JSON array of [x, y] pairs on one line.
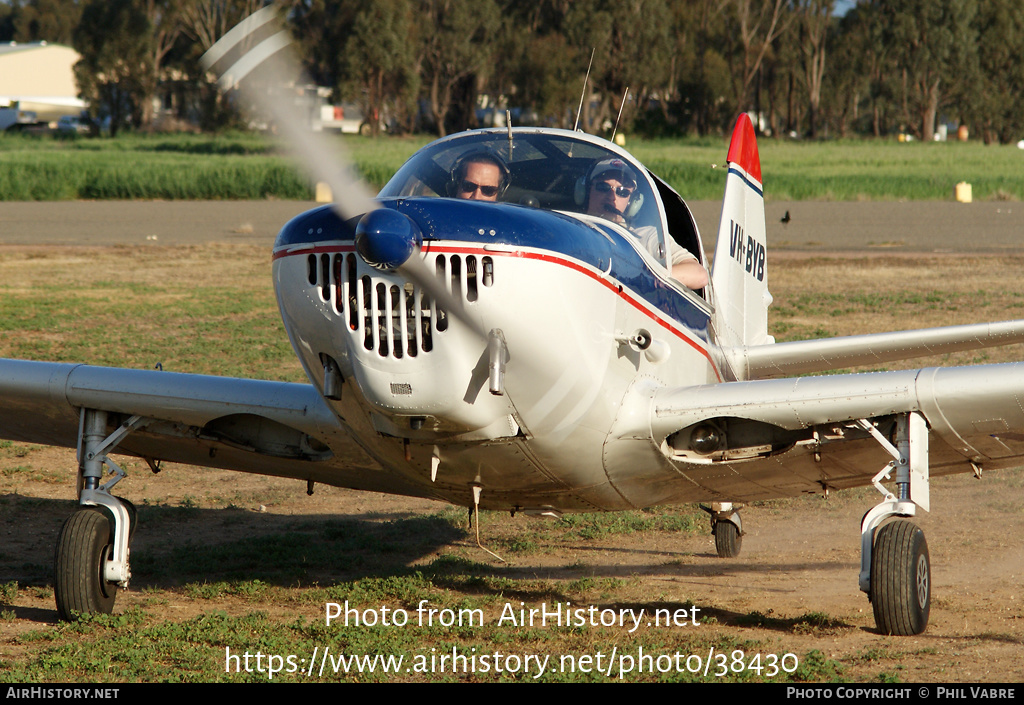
[[740, 274]]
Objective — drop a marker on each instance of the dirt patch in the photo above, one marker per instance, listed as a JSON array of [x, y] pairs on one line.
[[792, 589]]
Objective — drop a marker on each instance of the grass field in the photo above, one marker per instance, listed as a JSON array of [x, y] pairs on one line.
[[849, 170], [246, 166], [216, 577]]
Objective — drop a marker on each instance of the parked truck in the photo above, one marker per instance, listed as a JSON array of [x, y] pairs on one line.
[[14, 118]]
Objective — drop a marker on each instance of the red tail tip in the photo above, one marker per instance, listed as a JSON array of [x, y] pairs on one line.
[[743, 148]]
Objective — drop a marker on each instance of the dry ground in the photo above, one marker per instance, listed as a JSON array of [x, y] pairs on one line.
[[799, 556]]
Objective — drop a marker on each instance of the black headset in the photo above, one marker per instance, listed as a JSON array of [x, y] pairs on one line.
[[479, 155], [583, 184]]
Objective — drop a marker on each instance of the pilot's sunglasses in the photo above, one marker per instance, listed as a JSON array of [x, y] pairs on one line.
[[620, 191], [469, 187]]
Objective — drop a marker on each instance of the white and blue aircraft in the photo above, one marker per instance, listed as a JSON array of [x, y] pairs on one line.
[[530, 353]]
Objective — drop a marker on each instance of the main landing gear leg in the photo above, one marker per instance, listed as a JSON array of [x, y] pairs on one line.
[[91, 560], [726, 528], [895, 568]]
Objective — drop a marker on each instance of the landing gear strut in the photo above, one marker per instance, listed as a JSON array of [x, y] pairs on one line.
[[91, 560], [895, 565]]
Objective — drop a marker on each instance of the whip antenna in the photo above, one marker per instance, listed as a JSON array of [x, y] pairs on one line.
[[584, 94], [617, 117], [508, 126]]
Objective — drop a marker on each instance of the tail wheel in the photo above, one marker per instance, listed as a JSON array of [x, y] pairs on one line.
[[86, 542], [901, 579], [728, 540]]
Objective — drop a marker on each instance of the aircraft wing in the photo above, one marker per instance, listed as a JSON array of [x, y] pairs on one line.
[[779, 437], [810, 356], [273, 428]]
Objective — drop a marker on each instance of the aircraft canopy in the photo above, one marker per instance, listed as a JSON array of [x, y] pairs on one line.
[[547, 169]]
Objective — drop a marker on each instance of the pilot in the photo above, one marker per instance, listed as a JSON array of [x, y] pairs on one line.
[[611, 194], [479, 176]]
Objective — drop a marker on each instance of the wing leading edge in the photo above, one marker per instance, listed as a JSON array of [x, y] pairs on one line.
[[811, 356], [977, 411], [274, 428]]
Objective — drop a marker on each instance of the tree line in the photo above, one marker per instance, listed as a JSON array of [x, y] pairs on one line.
[[658, 67]]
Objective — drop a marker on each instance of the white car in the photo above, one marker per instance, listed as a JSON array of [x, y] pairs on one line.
[[347, 118], [74, 125]]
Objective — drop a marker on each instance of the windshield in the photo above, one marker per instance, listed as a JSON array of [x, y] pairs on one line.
[[549, 169]]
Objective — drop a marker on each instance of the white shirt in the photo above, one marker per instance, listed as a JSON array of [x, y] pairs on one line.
[[649, 238]]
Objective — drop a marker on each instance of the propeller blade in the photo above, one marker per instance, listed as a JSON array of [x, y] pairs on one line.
[[255, 58], [261, 42], [416, 270]]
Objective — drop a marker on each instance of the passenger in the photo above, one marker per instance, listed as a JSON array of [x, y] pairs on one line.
[[611, 194], [479, 176]]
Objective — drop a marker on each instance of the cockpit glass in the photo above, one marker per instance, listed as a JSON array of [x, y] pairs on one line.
[[545, 170]]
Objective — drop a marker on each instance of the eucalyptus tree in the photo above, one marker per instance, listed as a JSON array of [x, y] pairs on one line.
[[752, 27], [814, 21], [380, 57], [849, 88], [111, 37], [706, 95], [322, 29], [933, 45], [203, 22], [52, 21], [123, 44], [536, 66], [8, 17], [631, 44], [640, 56], [206, 21], [456, 53], [164, 24], [995, 100]]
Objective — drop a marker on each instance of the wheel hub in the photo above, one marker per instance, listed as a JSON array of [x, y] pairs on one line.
[[922, 581]]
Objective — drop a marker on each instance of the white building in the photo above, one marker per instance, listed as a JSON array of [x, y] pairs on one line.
[[40, 77]]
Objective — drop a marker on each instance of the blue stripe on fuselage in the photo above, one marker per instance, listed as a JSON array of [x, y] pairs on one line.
[[484, 223], [747, 181]]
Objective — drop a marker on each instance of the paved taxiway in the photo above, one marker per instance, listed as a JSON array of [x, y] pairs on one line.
[[814, 226]]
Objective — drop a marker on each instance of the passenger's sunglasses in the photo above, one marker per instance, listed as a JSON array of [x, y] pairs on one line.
[[469, 187], [620, 191]]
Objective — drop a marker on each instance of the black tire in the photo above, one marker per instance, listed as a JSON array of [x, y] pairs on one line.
[[728, 540], [901, 584], [365, 129], [86, 541]]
